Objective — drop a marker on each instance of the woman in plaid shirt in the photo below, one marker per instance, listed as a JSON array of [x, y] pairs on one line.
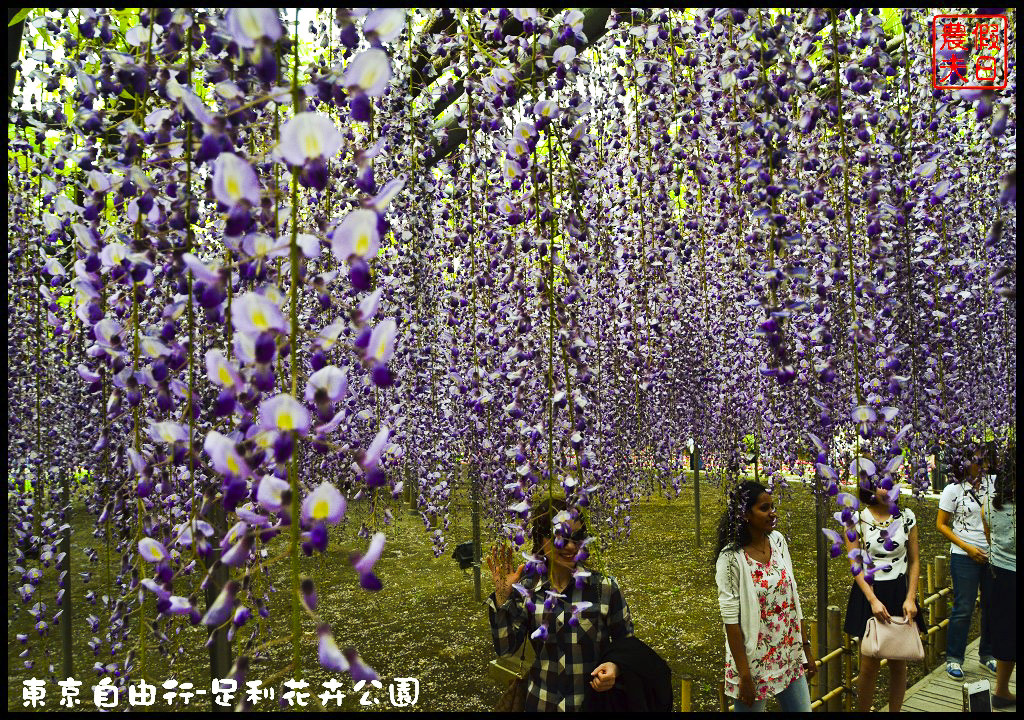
[[570, 616]]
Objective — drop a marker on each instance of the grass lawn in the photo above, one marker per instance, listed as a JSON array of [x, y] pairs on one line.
[[425, 623]]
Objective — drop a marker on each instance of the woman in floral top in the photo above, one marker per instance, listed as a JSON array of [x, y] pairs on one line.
[[767, 651]]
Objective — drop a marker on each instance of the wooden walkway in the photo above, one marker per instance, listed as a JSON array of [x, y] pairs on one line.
[[938, 692]]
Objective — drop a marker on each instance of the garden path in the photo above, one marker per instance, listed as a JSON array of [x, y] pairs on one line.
[[937, 692]]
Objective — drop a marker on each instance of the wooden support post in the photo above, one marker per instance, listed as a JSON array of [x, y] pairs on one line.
[[685, 693], [936, 613], [929, 641], [834, 632], [848, 673], [929, 638], [723, 701], [855, 666], [927, 619], [942, 604], [812, 632]]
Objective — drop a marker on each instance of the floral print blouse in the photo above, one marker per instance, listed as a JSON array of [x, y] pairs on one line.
[[778, 659]]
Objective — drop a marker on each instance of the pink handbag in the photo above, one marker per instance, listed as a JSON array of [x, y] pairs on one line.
[[898, 639]]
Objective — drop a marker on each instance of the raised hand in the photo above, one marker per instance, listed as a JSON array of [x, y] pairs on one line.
[[501, 563]]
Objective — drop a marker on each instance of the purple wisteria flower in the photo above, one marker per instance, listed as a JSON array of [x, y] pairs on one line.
[[234, 181], [364, 563], [373, 453], [167, 432], [225, 456], [836, 547], [384, 24], [223, 607], [222, 371], [369, 72], [328, 653], [251, 25], [324, 505], [253, 313], [272, 493], [308, 137], [753, 233], [152, 550], [381, 345], [283, 412], [357, 236]]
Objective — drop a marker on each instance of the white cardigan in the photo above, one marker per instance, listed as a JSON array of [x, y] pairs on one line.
[[737, 598]]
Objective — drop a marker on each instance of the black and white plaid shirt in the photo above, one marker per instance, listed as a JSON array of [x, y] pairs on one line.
[[564, 660]]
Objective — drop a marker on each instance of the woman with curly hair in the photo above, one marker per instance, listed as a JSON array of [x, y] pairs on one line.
[[767, 651]]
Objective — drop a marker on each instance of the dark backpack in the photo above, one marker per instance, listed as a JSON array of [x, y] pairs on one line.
[[463, 554]]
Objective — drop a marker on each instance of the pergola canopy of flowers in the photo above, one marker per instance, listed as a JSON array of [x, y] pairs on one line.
[[265, 264]]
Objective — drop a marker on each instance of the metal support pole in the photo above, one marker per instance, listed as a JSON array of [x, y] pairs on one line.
[[474, 491], [938, 477], [220, 648], [68, 663], [824, 677], [414, 490], [685, 694], [696, 490]]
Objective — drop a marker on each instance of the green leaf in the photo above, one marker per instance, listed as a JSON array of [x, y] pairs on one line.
[[20, 16], [45, 35], [893, 24]]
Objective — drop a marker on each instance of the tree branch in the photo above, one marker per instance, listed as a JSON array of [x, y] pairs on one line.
[[595, 25], [442, 24]]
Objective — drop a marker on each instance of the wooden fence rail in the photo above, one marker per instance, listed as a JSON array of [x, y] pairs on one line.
[[842, 656]]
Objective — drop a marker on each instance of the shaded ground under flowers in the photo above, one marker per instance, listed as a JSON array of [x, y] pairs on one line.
[[425, 623]]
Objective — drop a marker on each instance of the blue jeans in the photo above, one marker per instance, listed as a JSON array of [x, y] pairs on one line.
[[968, 576], [795, 698]]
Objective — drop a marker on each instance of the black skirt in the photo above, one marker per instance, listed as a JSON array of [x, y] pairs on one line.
[[1002, 611], [892, 593]]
